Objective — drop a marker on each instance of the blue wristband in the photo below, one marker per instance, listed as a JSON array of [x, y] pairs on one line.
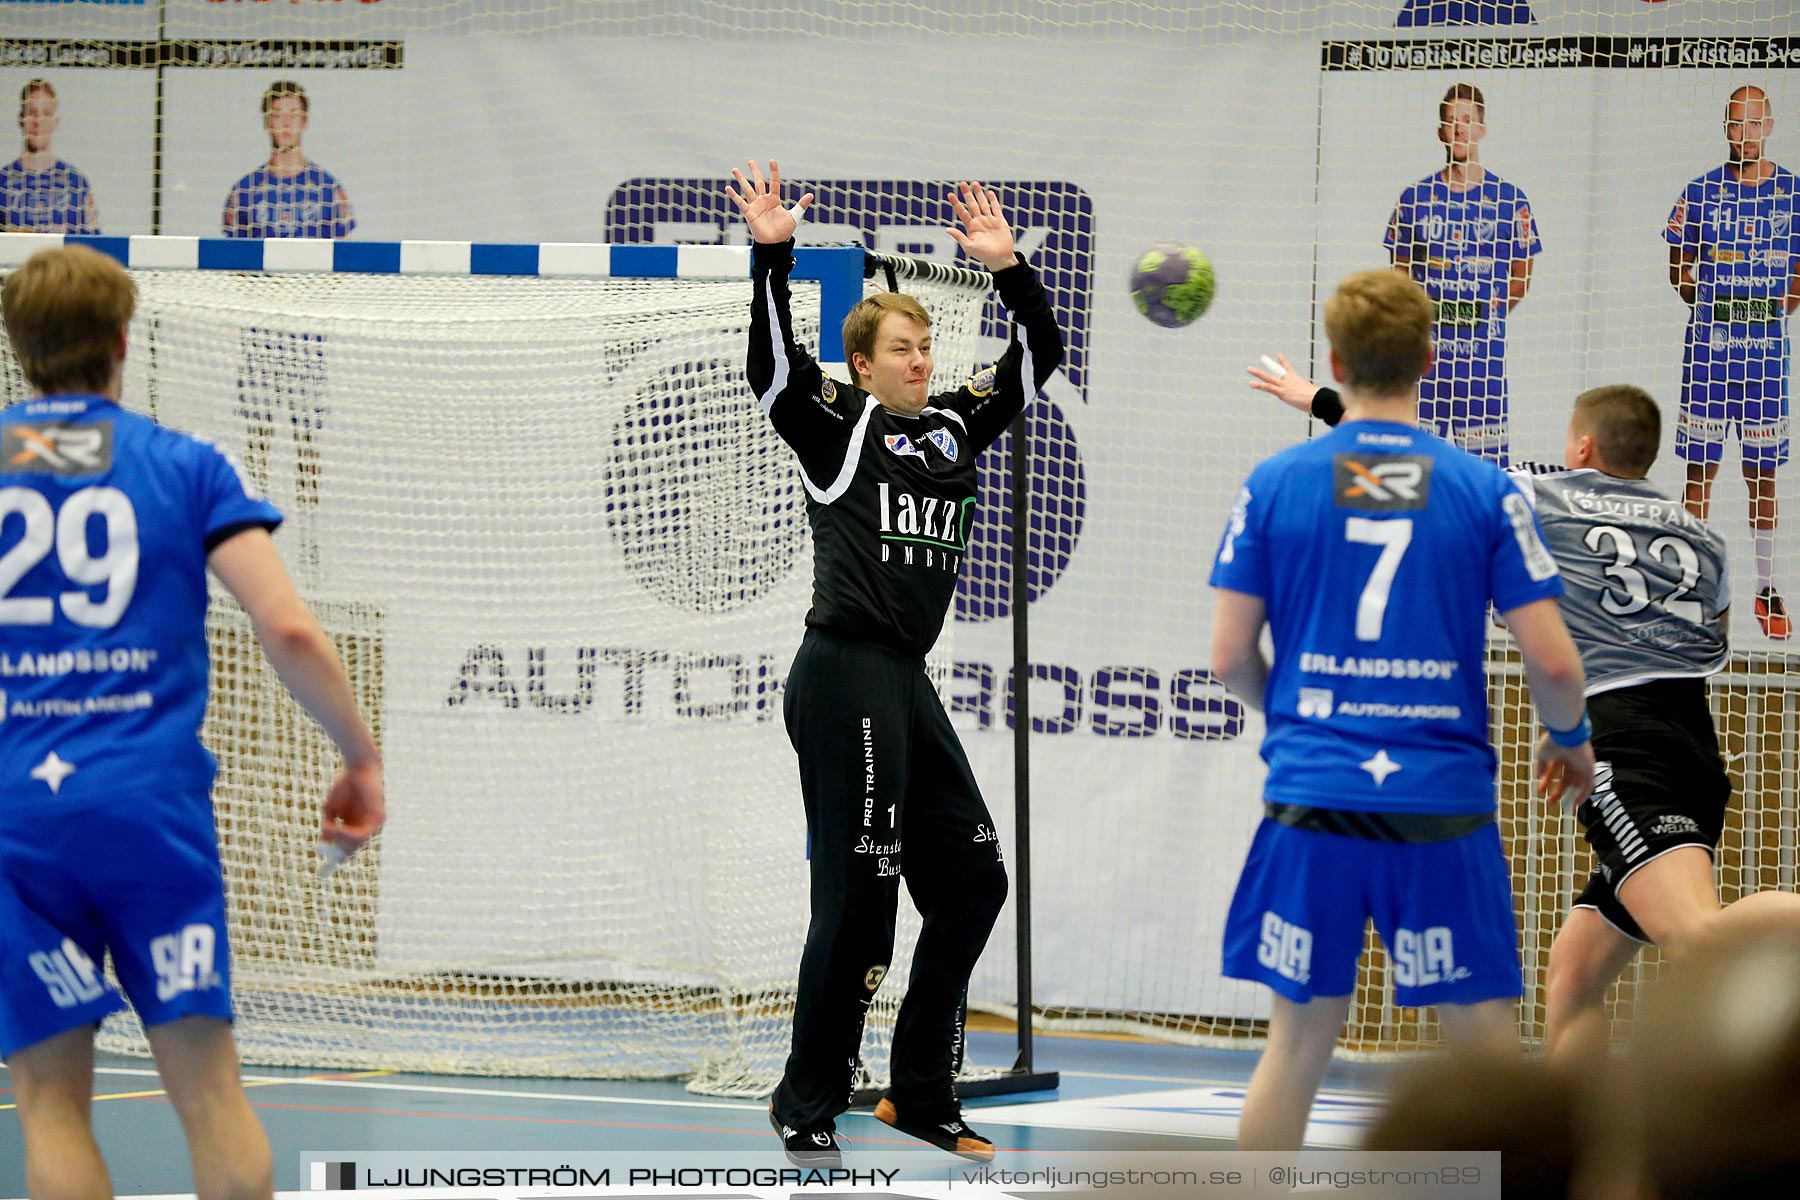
[[1583, 732]]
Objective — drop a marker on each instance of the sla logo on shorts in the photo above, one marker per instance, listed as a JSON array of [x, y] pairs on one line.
[[1386, 482], [1425, 957], [184, 962], [1285, 949], [68, 974]]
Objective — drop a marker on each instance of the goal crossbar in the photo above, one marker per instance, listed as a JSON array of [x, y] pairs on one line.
[[838, 270]]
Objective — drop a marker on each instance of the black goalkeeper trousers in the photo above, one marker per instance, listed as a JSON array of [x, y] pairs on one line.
[[881, 769]]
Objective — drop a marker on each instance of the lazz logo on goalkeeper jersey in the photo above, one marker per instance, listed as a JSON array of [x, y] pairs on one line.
[[1285, 949], [920, 528]]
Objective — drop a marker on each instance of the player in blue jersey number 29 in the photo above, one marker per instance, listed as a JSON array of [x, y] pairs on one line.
[[1372, 553], [108, 524]]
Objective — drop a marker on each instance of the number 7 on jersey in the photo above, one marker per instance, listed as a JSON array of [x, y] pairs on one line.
[[1393, 536]]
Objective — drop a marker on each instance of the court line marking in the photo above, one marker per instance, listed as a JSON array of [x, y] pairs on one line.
[[363, 1081], [249, 1082], [1196, 1081], [447, 1090]]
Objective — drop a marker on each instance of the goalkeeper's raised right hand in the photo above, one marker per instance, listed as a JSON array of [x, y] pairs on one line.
[[760, 203]]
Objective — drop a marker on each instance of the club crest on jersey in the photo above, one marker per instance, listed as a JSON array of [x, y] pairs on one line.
[[945, 441], [1384, 482], [57, 449], [828, 391], [983, 382], [901, 445]]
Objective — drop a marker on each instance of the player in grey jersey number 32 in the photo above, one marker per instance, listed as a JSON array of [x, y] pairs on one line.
[[1647, 601]]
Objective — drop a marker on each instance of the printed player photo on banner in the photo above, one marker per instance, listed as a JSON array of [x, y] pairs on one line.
[[279, 153], [1437, 175], [81, 159]]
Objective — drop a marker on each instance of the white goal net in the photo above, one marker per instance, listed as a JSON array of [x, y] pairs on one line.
[[566, 561]]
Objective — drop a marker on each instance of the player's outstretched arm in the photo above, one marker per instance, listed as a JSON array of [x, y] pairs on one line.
[[759, 201], [1558, 686], [985, 236], [1278, 378], [1035, 342], [250, 568]]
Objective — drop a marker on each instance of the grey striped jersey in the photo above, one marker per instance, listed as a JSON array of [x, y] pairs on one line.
[[1646, 581]]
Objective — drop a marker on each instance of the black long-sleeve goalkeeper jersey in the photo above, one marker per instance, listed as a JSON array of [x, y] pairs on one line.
[[891, 499]]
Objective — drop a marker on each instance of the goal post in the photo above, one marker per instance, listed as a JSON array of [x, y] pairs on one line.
[[565, 560]]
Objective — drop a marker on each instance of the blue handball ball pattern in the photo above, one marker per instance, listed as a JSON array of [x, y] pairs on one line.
[[1172, 283]]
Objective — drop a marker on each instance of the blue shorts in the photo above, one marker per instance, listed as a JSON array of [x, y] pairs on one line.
[[1724, 395], [134, 878], [1443, 909]]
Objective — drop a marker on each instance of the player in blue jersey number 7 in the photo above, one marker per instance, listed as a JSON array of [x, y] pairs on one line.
[[1372, 554], [108, 524]]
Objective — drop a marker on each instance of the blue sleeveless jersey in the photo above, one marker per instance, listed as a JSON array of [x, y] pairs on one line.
[[1745, 245], [106, 520], [312, 204], [59, 200], [1460, 247], [1376, 550]]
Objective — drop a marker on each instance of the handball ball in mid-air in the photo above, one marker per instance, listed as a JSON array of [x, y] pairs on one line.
[[1172, 283]]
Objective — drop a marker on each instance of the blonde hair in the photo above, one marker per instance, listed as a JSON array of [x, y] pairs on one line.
[[1379, 323], [65, 309], [1626, 426], [864, 322]]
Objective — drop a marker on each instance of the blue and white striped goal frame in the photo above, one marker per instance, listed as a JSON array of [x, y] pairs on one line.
[[837, 269]]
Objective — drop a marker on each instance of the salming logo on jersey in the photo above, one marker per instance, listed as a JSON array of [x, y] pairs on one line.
[[57, 449], [1389, 483]]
